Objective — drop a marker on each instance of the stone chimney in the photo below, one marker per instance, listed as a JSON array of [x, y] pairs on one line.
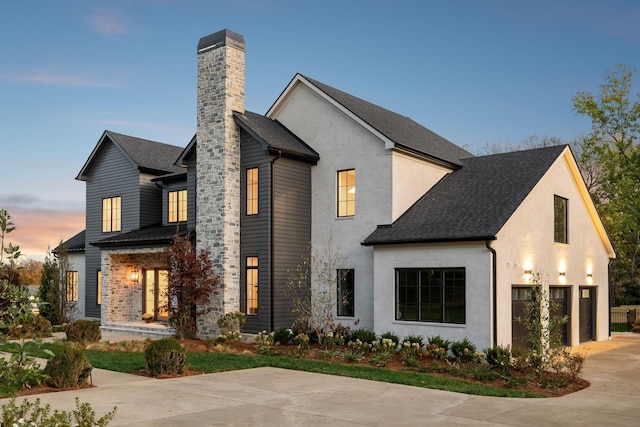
[[221, 69]]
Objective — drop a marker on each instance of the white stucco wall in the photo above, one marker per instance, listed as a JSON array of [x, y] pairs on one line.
[[343, 144], [527, 242], [474, 257], [412, 177]]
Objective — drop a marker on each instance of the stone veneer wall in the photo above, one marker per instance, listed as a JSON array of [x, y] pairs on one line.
[[221, 69], [121, 298]]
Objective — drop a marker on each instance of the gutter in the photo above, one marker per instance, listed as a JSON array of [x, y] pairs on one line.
[[271, 246], [494, 273]]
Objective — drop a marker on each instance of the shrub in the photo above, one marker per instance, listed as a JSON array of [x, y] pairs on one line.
[[499, 357], [463, 350], [438, 347], [283, 335], [343, 331], [32, 413], [84, 331], [31, 327], [414, 339], [68, 368], [364, 335], [230, 325], [265, 343], [390, 336], [331, 341], [165, 357]]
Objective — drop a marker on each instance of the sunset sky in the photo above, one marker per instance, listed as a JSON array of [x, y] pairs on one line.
[[475, 72]]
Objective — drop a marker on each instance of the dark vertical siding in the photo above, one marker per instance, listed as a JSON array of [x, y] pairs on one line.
[[254, 230], [172, 186], [292, 229], [112, 174], [150, 201], [191, 191]]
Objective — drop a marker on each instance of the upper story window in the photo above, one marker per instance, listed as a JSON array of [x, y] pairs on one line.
[[560, 220], [252, 191], [111, 214], [346, 193], [177, 206]]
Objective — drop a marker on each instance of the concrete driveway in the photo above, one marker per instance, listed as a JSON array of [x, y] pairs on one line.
[[277, 397]]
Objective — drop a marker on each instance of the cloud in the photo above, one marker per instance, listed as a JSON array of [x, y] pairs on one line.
[[38, 230], [108, 24]]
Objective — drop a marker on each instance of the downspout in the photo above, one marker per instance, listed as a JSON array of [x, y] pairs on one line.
[[609, 279], [494, 273], [271, 247]]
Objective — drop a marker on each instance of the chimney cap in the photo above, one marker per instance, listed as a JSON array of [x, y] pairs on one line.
[[221, 38]]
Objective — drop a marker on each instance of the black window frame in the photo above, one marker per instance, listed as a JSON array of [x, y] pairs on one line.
[[181, 215], [560, 219], [345, 286], [432, 295]]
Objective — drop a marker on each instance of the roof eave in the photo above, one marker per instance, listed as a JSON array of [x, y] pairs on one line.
[[428, 240]]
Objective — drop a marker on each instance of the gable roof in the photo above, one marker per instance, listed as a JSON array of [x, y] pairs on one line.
[[472, 203], [275, 135], [398, 131], [148, 156]]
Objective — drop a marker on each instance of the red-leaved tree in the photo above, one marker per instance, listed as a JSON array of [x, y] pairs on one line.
[[192, 285]]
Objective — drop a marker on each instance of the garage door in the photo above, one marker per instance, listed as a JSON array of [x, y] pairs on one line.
[[520, 296], [587, 306]]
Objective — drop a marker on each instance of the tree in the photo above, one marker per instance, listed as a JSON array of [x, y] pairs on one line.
[[192, 284], [49, 292], [30, 272], [6, 227], [313, 287], [613, 149]]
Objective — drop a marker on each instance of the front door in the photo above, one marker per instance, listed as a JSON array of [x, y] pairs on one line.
[[155, 293], [587, 298]]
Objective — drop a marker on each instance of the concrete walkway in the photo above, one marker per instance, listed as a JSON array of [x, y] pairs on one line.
[[278, 397]]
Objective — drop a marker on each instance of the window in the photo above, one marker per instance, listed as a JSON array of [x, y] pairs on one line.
[[252, 284], [345, 281], [71, 286], [99, 289], [111, 211], [346, 193], [430, 294], [177, 206], [252, 191], [560, 234]]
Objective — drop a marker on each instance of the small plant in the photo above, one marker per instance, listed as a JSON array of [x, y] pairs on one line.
[[408, 352], [68, 368], [356, 351], [438, 347], [165, 357], [147, 316], [266, 343], [464, 350], [414, 339], [34, 414], [326, 354], [21, 371], [230, 325], [390, 335], [500, 357], [364, 335], [331, 341], [382, 352], [301, 348], [283, 336], [484, 373], [84, 331]]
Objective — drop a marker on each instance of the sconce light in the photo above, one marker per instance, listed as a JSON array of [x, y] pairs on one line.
[[135, 275], [562, 274], [527, 272], [590, 275]]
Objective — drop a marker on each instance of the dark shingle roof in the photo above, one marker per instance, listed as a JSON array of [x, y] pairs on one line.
[[148, 156], [472, 203], [158, 234], [403, 131], [275, 135], [74, 244]]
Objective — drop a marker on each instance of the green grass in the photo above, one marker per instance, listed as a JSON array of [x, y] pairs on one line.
[[220, 362], [619, 327]]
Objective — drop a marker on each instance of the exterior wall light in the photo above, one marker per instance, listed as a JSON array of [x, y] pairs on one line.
[[527, 272], [562, 274], [590, 275], [135, 275]]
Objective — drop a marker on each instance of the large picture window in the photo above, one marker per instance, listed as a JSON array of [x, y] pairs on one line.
[[111, 214], [560, 234], [345, 282], [71, 286], [346, 193], [431, 295], [177, 206], [252, 285], [252, 191]]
